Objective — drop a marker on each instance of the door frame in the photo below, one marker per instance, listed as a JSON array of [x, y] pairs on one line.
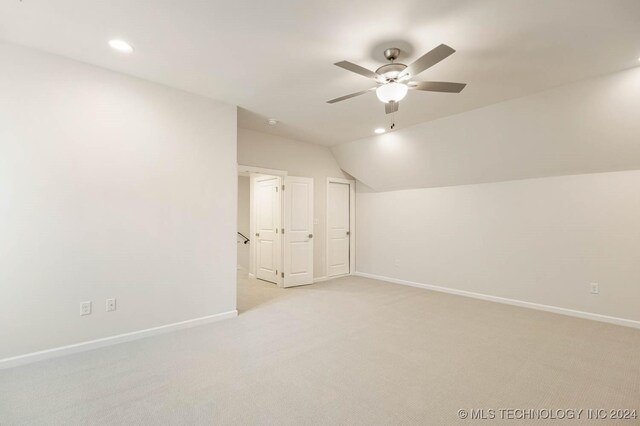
[[252, 171], [352, 226]]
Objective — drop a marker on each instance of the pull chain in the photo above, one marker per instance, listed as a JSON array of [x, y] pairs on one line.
[[392, 121]]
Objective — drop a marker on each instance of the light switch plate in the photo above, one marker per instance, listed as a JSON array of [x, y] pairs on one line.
[[111, 305]]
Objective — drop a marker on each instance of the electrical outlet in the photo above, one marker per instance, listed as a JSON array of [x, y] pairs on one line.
[[595, 288], [111, 305], [85, 308]]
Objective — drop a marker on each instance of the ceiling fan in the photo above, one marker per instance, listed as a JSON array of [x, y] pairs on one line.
[[396, 79]]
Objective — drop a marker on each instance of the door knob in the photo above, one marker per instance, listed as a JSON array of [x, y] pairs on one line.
[[310, 235], [348, 233], [257, 234]]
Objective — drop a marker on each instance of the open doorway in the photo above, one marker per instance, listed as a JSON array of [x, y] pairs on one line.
[[275, 227]]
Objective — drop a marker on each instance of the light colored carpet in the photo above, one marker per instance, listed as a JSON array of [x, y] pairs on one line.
[[348, 351]]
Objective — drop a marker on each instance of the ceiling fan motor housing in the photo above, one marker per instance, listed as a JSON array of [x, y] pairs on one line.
[[391, 71], [392, 53]]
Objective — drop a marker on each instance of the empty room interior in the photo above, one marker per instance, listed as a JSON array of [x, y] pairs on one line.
[[319, 212]]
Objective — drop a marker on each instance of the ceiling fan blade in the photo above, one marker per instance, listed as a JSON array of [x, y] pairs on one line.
[[391, 106], [428, 60], [437, 86], [352, 95], [349, 66]]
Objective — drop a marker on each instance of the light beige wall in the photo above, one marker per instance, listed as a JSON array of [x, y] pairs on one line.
[[538, 240], [298, 159], [110, 186], [243, 222]]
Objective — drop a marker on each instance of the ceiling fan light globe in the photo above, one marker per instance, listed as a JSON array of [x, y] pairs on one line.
[[392, 92]]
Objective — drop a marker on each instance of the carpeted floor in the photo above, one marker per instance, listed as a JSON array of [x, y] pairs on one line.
[[350, 351]]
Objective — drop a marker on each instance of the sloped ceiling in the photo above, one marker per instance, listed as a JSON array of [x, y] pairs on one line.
[[586, 127]]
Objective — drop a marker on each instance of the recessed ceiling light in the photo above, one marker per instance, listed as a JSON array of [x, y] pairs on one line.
[[272, 121], [379, 130], [121, 46]]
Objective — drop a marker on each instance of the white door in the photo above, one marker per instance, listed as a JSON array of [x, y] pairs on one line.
[[338, 229], [298, 231], [267, 221]]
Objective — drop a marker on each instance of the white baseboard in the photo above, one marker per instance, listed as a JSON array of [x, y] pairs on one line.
[[320, 279], [111, 340], [333, 277], [514, 302]]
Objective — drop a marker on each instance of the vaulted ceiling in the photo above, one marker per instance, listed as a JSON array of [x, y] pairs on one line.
[[586, 127], [274, 58]]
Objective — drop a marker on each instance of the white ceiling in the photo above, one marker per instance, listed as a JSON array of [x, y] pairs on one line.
[[274, 58]]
